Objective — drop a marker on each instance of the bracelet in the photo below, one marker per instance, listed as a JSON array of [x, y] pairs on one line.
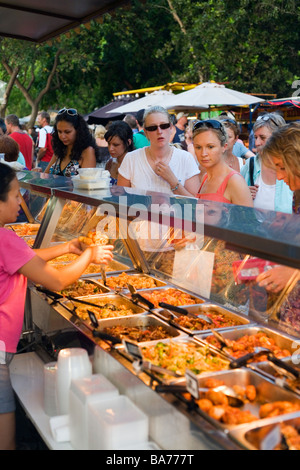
[[175, 187]]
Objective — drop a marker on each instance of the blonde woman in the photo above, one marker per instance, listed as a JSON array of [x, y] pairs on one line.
[[160, 167], [282, 154], [220, 182], [102, 144]]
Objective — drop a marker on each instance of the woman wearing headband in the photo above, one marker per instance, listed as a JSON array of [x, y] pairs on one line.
[[159, 167], [73, 145], [267, 191], [220, 183]]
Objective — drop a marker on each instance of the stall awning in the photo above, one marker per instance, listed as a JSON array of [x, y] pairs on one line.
[[41, 20]]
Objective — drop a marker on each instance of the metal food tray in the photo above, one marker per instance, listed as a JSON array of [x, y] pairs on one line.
[[196, 298], [169, 379], [266, 369], [203, 309], [109, 298], [141, 321], [255, 435], [281, 340], [112, 267], [267, 392], [159, 283], [103, 288]]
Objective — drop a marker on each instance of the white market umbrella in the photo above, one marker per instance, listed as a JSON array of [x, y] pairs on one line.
[[155, 98], [210, 94]]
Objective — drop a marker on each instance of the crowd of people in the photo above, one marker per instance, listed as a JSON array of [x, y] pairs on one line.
[[203, 159], [154, 150]]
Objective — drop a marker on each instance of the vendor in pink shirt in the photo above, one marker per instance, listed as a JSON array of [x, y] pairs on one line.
[[17, 263]]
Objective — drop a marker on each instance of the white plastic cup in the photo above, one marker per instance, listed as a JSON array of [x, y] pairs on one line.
[[72, 363], [50, 398]]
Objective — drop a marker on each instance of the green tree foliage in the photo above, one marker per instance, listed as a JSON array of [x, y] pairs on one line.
[[253, 45]]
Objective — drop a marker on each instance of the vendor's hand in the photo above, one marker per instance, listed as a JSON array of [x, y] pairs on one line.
[[275, 279], [74, 247], [101, 254], [253, 190]]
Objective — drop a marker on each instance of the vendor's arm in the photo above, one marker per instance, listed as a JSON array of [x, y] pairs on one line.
[[40, 272], [54, 251]]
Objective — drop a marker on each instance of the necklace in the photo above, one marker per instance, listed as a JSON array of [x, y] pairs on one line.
[[154, 160]]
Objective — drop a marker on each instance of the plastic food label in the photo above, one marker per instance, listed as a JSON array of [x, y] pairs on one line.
[[192, 384], [272, 439]]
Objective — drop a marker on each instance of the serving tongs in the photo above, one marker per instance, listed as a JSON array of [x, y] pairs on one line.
[[233, 400], [138, 298], [183, 311], [103, 274]]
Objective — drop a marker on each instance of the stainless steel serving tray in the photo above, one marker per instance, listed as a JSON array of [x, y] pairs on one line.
[[197, 300], [255, 435], [267, 370], [281, 340], [168, 379], [113, 266], [135, 275], [267, 392], [141, 321], [104, 289], [203, 309], [115, 299]]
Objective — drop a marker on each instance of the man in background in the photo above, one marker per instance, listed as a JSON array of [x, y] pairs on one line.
[[44, 141], [139, 138], [21, 137], [179, 137]]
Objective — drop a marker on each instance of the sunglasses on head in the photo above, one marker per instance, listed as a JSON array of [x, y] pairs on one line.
[[153, 128], [267, 117], [70, 111], [210, 123], [229, 120]]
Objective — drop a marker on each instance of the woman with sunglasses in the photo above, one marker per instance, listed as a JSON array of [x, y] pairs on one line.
[[220, 183], [18, 262], [73, 145], [266, 190], [159, 167]]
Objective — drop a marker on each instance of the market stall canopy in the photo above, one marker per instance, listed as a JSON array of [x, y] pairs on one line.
[[106, 113], [159, 97], [210, 94], [41, 20]]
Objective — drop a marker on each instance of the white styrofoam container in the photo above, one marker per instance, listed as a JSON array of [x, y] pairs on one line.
[[116, 423], [89, 390]]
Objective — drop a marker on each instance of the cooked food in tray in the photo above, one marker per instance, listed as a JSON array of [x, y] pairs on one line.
[[138, 333], [220, 320], [247, 343], [81, 288], [179, 356], [105, 310], [215, 404], [139, 282], [24, 229], [170, 296]]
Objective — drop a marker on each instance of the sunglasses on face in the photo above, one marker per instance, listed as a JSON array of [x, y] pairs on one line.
[[153, 128], [70, 111], [267, 117], [211, 123]]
